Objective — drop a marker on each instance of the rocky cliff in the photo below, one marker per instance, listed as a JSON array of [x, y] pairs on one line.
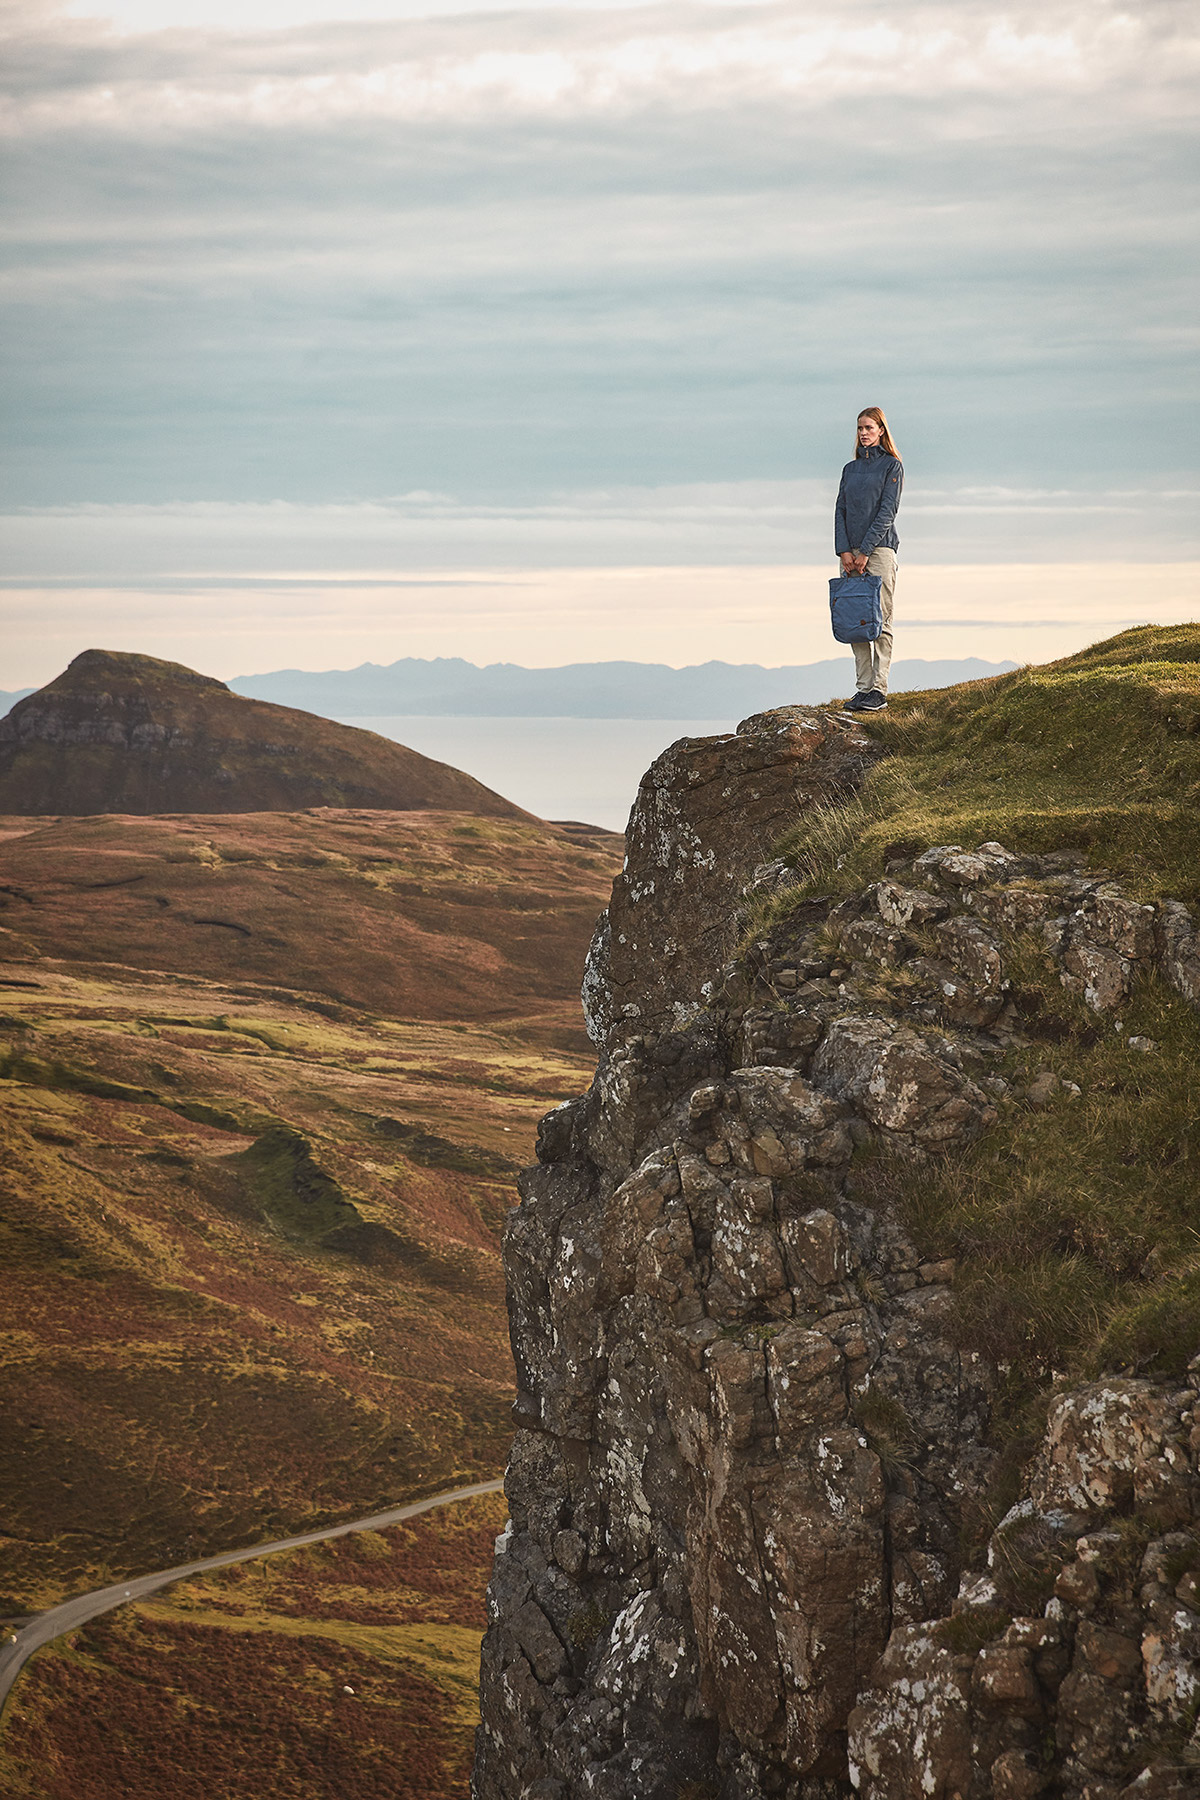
[[118, 733], [773, 1529]]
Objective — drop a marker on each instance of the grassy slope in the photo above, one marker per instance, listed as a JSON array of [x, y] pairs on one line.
[[1098, 752], [236, 1684], [408, 915], [250, 1231], [1077, 1227]]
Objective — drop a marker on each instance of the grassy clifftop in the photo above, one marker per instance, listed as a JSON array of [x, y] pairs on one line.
[[1075, 1220], [1099, 753]]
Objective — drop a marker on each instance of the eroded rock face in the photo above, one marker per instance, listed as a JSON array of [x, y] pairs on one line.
[[745, 1437], [1094, 1693], [704, 812]]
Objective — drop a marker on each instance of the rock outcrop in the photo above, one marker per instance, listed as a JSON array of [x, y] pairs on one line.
[[117, 733], [704, 811], [746, 1432]]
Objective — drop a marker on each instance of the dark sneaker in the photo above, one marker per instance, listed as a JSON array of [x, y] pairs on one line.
[[856, 703], [872, 702]]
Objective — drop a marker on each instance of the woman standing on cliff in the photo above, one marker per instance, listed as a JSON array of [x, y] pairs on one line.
[[864, 536]]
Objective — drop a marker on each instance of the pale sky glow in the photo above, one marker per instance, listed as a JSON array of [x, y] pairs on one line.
[[546, 617], [572, 306]]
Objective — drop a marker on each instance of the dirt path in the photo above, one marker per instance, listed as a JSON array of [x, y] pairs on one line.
[[45, 1626]]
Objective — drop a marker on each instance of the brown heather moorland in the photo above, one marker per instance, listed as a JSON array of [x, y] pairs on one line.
[[266, 1079], [347, 1669]]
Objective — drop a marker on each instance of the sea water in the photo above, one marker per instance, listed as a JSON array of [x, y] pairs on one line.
[[586, 769]]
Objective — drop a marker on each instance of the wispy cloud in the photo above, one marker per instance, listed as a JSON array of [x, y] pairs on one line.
[[725, 523], [574, 64], [588, 288]]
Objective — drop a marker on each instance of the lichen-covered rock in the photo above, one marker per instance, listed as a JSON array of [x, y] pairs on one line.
[[905, 906], [910, 1732], [900, 1081], [704, 812], [1180, 949], [949, 865], [1114, 1444], [746, 1436], [1094, 1695]]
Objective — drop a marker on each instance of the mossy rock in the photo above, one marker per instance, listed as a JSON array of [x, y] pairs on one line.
[[297, 1196], [434, 1152]]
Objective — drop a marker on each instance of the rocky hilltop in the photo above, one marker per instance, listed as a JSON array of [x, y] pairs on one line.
[[852, 1307], [118, 733]]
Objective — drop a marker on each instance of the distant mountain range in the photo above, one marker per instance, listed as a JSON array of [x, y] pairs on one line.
[[450, 687]]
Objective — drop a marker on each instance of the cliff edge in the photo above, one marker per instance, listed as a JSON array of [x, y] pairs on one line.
[[856, 1307]]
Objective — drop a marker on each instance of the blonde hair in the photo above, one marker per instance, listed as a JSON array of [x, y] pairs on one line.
[[885, 436]]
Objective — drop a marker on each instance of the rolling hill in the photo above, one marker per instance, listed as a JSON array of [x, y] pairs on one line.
[[130, 734], [265, 1080]]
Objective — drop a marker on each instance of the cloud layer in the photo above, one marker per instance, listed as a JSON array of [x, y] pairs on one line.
[[522, 332], [707, 524], [577, 62], [502, 253]]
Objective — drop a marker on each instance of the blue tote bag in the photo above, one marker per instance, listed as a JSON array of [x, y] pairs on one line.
[[855, 608]]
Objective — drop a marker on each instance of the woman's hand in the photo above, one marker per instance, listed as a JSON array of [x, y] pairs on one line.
[[849, 560]]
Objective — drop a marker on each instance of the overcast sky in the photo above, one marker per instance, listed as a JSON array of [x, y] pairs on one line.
[[329, 340]]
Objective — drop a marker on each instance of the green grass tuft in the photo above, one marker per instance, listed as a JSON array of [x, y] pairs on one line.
[[296, 1194], [1076, 1228], [884, 1422], [1157, 1333], [1098, 753], [966, 1633]]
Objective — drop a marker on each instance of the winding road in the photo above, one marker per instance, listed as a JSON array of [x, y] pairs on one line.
[[45, 1626]]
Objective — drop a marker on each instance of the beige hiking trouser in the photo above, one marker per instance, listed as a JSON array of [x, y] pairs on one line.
[[873, 660]]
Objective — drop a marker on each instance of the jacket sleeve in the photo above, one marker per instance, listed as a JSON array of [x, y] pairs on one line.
[[885, 512], [841, 538]]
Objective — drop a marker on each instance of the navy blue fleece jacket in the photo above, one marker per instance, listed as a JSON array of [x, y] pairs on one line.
[[865, 515]]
